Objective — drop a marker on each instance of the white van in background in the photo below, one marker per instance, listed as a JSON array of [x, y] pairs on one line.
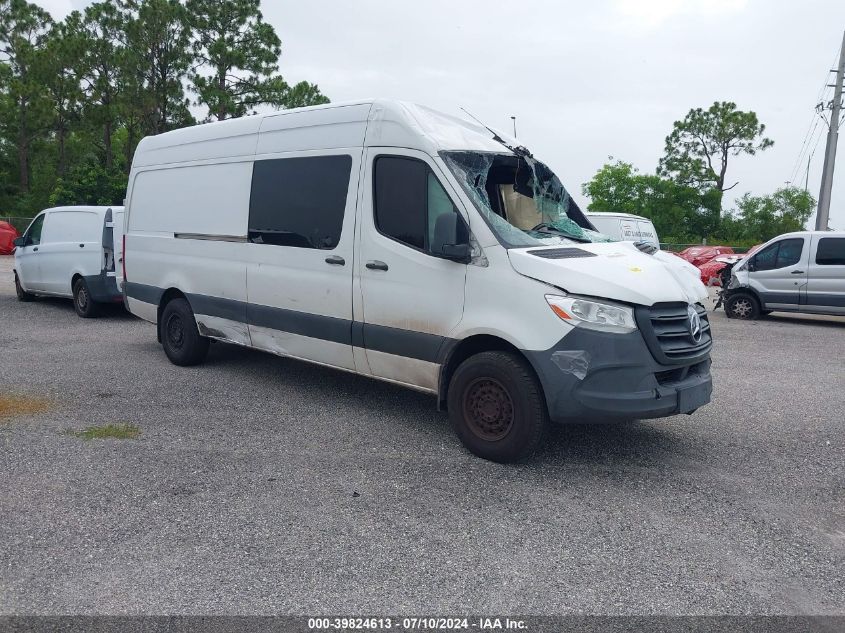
[[71, 252], [397, 242], [624, 227]]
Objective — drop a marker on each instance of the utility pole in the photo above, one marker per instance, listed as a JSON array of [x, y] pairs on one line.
[[823, 212], [513, 118]]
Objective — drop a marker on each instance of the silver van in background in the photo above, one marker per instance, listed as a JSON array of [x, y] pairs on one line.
[[794, 272]]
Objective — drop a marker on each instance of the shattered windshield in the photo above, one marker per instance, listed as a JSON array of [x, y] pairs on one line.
[[521, 199]]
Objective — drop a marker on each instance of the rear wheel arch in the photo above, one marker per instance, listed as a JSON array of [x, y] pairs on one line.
[[83, 303], [169, 295], [181, 340]]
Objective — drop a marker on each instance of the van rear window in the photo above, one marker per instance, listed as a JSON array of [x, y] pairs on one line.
[[299, 201], [831, 251]]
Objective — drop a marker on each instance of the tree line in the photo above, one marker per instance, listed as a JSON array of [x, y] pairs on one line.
[[77, 95], [684, 196]]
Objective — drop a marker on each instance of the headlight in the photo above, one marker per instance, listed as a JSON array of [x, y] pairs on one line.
[[605, 317]]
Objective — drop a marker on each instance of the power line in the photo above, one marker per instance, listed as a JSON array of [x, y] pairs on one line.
[[810, 158], [811, 126]]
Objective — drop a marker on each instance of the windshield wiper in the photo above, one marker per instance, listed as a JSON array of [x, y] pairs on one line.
[[550, 229], [520, 150]]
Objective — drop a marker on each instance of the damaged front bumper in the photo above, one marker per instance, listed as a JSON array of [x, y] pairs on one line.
[[594, 376]]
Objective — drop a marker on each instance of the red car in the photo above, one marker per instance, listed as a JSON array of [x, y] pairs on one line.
[[698, 255], [711, 272], [8, 234]]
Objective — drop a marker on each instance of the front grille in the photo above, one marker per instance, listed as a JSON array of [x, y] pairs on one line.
[[678, 374], [666, 330]]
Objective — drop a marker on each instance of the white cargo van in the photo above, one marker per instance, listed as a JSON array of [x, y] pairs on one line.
[[71, 252], [396, 242], [625, 227], [793, 272]]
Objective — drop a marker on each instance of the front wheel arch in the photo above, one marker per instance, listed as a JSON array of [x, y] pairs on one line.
[[464, 349], [497, 406], [743, 305]]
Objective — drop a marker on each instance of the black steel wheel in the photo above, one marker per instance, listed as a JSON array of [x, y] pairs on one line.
[[180, 337], [488, 409], [84, 305], [496, 406]]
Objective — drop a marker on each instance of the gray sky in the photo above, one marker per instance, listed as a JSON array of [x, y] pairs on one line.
[[585, 80]]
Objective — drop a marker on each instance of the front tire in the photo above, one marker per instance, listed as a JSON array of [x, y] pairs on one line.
[[742, 306], [23, 295], [496, 407], [179, 334], [84, 305]]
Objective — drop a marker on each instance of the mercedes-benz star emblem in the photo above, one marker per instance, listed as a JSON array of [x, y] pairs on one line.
[[694, 324]]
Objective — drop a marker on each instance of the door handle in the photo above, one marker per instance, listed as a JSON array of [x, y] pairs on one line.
[[797, 272], [376, 265], [34, 248], [82, 246], [335, 260]]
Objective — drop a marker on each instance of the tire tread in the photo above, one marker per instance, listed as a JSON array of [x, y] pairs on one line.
[[528, 388]]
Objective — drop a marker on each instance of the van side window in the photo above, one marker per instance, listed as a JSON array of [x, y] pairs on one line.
[[33, 233], [831, 251], [780, 254], [299, 201], [408, 200]]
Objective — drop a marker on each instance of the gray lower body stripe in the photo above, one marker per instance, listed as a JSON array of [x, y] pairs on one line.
[[303, 323], [217, 307], [783, 298], [380, 338], [407, 343], [143, 292], [823, 299]]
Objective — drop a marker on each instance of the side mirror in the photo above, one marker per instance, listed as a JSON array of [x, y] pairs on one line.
[[451, 239], [19, 241], [752, 264], [456, 252]]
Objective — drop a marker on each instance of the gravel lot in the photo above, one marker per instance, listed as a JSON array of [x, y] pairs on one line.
[[272, 486]]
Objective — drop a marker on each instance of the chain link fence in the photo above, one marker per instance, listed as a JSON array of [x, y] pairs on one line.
[[677, 248], [19, 223]]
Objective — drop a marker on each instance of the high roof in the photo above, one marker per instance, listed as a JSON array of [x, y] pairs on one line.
[[371, 122]]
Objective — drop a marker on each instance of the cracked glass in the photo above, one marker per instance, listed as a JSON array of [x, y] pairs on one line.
[[521, 199]]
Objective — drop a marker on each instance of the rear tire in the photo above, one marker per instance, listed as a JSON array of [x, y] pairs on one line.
[[84, 305], [742, 306], [180, 337], [23, 295], [496, 407]]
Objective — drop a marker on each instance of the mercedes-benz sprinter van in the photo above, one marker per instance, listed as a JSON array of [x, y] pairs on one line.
[[71, 252], [397, 242]]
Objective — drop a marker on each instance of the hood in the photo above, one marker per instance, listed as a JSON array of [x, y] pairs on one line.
[[616, 270]]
